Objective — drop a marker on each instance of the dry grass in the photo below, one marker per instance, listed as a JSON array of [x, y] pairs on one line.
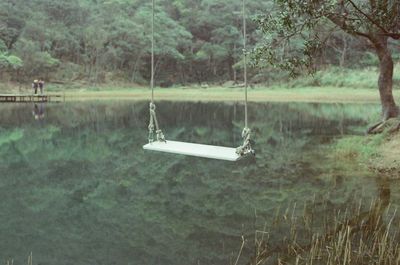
[[352, 237], [388, 161]]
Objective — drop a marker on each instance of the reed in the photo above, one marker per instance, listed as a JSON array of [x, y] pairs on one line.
[[351, 236]]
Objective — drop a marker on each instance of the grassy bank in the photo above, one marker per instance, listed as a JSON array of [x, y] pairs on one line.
[[261, 94], [328, 85], [379, 152]]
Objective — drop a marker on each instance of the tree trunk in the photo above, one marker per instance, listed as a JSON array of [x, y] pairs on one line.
[[233, 60], [343, 52], [135, 67], [385, 83]]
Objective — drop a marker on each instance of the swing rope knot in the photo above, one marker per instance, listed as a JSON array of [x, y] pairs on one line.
[[152, 106], [153, 124], [160, 136], [245, 148]]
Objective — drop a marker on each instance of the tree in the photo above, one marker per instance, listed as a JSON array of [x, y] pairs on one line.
[[36, 62], [8, 62], [102, 40], [300, 28], [11, 24], [171, 39]]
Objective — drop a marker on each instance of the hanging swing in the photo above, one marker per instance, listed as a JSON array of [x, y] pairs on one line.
[[192, 149]]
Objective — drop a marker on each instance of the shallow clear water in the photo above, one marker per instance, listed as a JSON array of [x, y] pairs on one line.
[[77, 188]]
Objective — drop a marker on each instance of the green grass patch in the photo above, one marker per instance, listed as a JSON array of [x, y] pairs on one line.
[[358, 148], [331, 85], [344, 77]]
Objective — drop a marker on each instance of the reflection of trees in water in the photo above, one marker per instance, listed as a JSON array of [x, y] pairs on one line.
[[91, 169]]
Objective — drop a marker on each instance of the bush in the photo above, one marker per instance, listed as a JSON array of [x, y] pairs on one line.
[[10, 61]]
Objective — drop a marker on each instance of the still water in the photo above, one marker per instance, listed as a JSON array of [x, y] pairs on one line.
[[77, 188]]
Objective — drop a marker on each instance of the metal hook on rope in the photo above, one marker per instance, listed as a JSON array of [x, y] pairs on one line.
[[153, 124]]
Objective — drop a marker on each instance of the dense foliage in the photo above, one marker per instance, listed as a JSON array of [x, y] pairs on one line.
[[109, 40], [296, 31]]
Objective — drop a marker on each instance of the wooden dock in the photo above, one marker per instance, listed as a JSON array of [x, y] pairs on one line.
[[27, 98]]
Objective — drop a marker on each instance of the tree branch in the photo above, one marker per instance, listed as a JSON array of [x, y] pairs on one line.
[[372, 3], [395, 36], [342, 24], [373, 21]]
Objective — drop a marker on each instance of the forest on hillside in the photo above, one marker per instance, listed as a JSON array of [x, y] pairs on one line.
[[98, 41]]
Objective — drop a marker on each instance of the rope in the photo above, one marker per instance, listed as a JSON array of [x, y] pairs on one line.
[[245, 148], [245, 64], [153, 124], [152, 53]]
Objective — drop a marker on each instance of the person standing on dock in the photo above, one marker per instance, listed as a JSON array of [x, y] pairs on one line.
[[41, 85], [35, 86]]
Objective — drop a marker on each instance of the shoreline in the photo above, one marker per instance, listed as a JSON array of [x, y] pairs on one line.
[[218, 94], [361, 148]]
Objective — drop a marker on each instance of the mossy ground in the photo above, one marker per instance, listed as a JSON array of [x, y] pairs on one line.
[[389, 158], [380, 152]]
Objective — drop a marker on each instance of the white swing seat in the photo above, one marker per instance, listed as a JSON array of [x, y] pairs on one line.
[[190, 149]]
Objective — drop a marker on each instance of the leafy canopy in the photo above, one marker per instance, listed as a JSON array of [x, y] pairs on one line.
[[296, 30]]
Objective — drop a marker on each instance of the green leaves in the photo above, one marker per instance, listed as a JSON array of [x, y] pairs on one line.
[[3, 47], [170, 36], [292, 35], [111, 38], [14, 62], [10, 61], [45, 60]]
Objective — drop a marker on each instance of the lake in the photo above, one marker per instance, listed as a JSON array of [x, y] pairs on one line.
[[76, 187]]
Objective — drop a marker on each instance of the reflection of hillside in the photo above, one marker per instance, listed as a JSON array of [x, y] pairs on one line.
[[85, 186]]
